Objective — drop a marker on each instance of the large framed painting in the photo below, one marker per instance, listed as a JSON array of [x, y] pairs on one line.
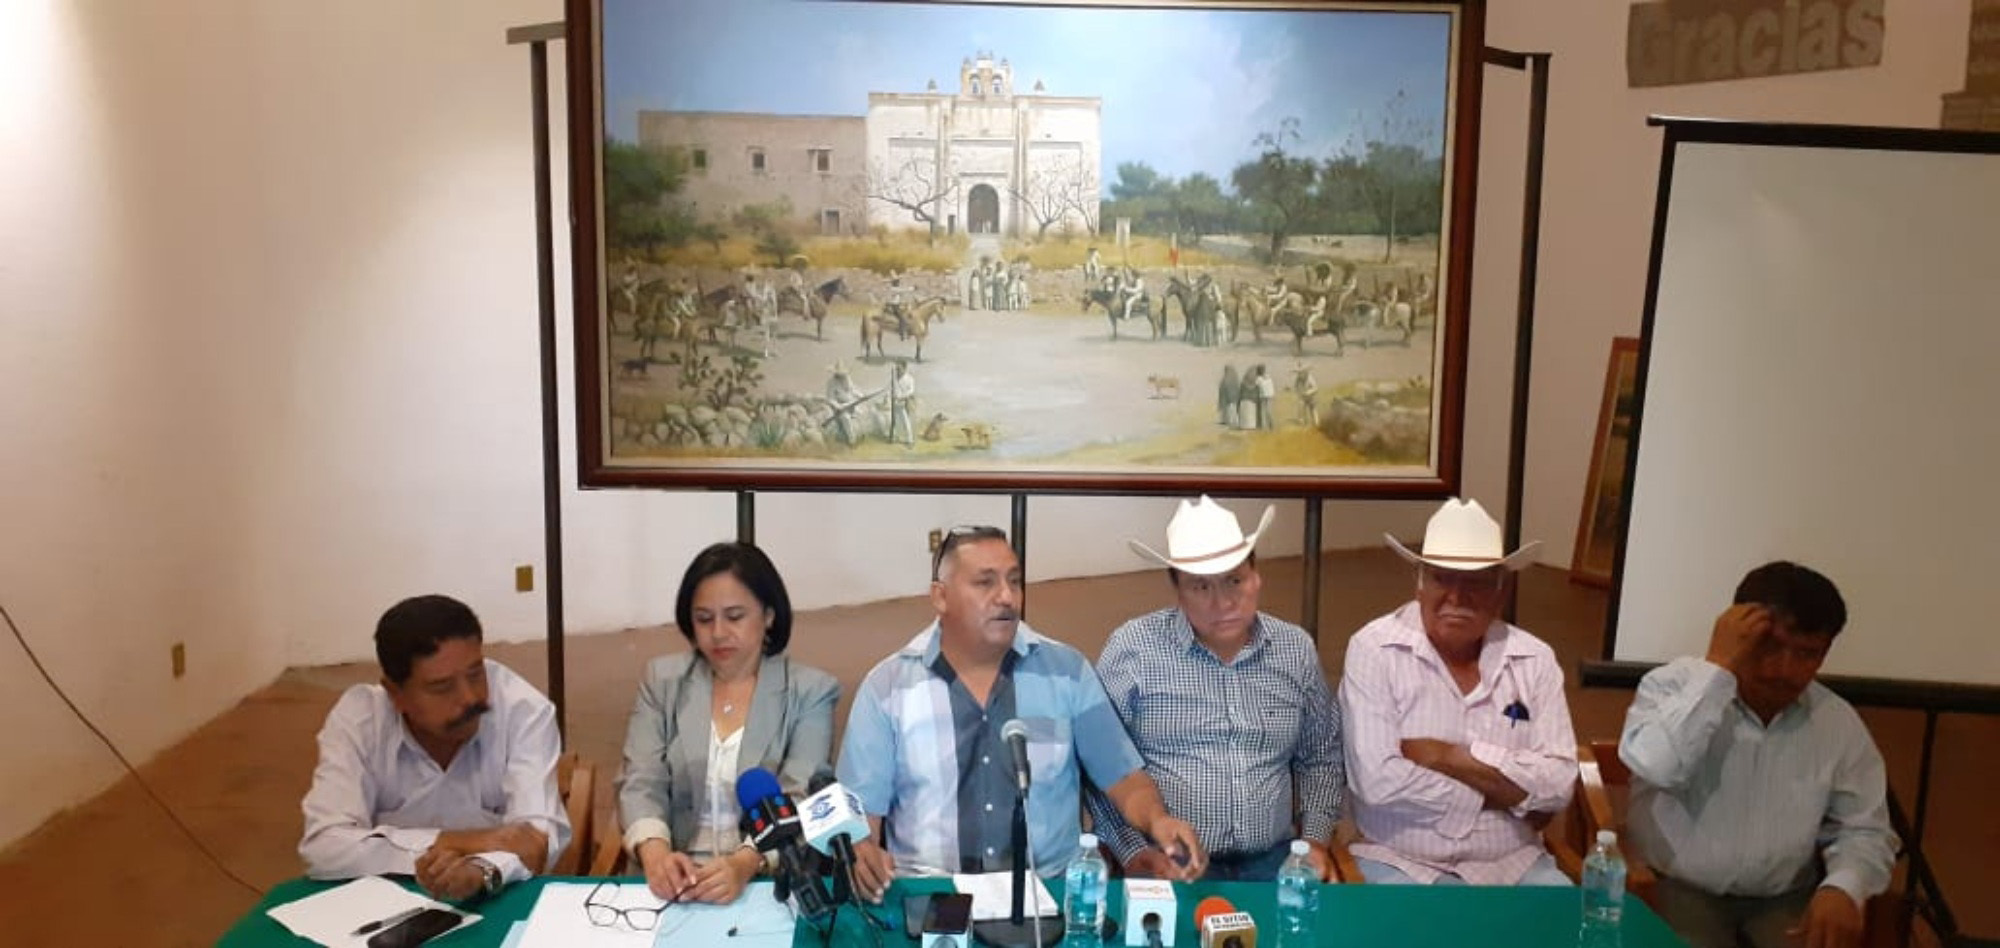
[[1059, 246], [1610, 455]]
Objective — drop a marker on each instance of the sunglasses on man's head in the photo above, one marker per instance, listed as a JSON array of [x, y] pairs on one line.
[[962, 534]]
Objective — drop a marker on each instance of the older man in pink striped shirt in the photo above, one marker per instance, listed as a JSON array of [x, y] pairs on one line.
[[1458, 738]]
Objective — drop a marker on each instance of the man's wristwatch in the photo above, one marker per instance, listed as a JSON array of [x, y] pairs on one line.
[[489, 876]]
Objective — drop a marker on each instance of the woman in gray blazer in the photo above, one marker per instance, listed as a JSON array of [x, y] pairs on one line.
[[705, 716]]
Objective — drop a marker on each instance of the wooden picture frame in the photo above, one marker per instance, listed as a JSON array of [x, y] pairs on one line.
[[1604, 493], [807, 256]]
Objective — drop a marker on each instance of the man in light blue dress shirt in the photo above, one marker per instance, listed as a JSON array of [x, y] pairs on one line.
[[923, 748], [445, 771], [1757, 793]]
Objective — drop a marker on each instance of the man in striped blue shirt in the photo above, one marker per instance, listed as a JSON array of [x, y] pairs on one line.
[[1229, 707], [1749, 777], [924, 752]]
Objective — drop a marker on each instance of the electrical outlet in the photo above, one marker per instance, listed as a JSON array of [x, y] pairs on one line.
[[180, 659], [937, 540], [524, 579]]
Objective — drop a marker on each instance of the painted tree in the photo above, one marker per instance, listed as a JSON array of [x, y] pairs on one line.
[[1391, 176], [916, 185], [1052, 192], [1277, 183]]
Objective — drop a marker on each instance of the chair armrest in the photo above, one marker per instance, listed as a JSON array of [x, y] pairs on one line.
[[577, 779], [608, 856]]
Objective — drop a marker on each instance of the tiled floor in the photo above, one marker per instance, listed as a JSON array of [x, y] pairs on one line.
[[114, 870]]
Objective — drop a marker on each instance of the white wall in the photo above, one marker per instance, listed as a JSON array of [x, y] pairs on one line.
[[132, 373], [268, 357]]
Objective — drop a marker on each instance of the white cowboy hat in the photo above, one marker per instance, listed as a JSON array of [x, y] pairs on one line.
[[1205, 539], [1462, 536]]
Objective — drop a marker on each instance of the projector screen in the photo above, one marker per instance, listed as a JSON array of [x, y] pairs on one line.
[[1820, 382]]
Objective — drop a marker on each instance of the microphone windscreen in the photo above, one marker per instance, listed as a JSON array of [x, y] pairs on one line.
[[821, 779], [755, 786], [832, 812], [1213, 905], [1013, 729]]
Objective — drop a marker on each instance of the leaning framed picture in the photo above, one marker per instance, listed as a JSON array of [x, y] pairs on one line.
[[1604, 487], [980, 245]]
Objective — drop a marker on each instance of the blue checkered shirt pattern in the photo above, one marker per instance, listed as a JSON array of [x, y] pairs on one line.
[[1245, 752]]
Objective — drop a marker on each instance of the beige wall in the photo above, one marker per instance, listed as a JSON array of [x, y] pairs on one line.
[[267, 356]]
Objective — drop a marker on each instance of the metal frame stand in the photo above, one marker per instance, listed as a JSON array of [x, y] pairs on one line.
[[1537, 65], [537, 38]]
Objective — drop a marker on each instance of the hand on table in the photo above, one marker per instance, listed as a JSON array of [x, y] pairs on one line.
[[449, 875], [668, 874], [719, 881], [873, 869], [1186, 858]]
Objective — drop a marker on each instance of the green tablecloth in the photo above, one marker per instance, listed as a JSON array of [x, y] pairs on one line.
[[1350, 916]]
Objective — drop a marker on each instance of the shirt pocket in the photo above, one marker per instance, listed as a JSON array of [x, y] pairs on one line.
[[1180, 721], [1049, 744], [1277, 728]]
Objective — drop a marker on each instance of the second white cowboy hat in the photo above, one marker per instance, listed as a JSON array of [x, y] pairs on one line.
[[1462, 536], [1205, 539]]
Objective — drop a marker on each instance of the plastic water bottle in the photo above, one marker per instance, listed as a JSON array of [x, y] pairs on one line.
[[1603, 892], [1083, 895], [1298, 897]]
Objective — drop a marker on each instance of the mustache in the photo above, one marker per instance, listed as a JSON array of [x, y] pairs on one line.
[[1007, 615], [471, 714]]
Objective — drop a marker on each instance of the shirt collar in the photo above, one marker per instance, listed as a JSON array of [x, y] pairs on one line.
[[1184, 638], [926, 646], [1408, 632]]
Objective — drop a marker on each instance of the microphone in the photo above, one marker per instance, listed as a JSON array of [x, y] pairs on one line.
[[1150, 908], [769, 818], [772, 823], [1015, 733], [832, 821], [1222, 926]]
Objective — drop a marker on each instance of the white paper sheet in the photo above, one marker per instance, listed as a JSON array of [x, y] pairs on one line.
[[330, 917], [558, 919], [993, 895]]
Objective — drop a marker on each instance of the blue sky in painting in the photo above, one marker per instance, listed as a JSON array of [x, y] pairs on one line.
[[1184, 90]]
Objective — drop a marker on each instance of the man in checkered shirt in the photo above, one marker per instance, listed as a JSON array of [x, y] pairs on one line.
[[1459, 745], [1228, 706]]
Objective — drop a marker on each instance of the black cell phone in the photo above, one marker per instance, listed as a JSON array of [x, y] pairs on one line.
[[949, 913], [417, 929]]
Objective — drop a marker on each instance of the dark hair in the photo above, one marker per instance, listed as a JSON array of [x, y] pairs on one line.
[[1174, 574], [415, 627], [751, 568], [959, 535], [1797, 593]]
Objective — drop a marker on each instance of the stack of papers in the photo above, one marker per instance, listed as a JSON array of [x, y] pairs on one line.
[[332, 917]]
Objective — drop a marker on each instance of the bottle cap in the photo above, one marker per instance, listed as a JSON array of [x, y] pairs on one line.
[[1299, 847], [1088, 841], [1607, 837]]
